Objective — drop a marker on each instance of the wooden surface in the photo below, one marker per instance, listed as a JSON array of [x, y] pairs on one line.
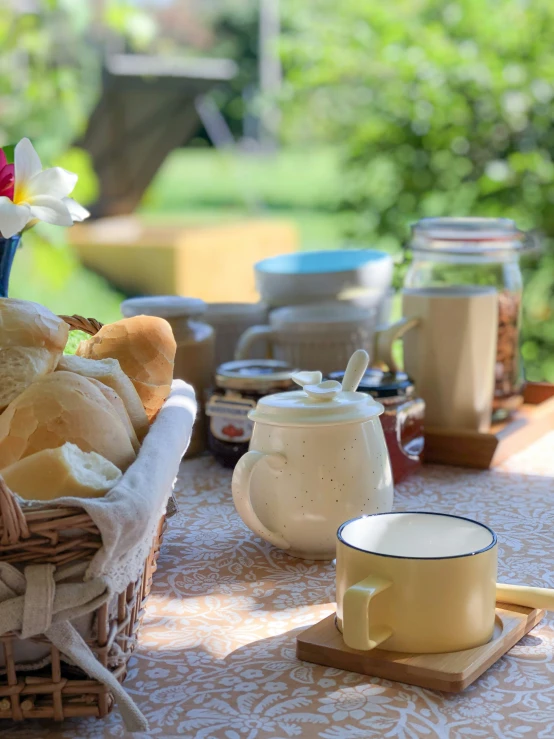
[[483, 450], [214, 262], [452, 672]]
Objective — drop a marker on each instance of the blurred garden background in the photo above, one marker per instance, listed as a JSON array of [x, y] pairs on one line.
[[352, 119]]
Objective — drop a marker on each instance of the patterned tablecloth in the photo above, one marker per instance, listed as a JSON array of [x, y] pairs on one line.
[[217, 655]]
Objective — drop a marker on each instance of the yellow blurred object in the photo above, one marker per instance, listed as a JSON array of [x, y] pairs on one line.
[[212, 262]]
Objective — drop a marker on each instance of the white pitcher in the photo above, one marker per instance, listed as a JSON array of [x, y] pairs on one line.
[[317, 458]]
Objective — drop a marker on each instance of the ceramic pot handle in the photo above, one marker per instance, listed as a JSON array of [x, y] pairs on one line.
[[249, 337], [384, 338], [242, 477], [356, 603], [522, 595]]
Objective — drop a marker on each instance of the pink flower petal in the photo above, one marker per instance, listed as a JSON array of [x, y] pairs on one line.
[[6, 180]]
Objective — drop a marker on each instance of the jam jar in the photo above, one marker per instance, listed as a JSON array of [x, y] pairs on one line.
[[402, 419], [238, 387]]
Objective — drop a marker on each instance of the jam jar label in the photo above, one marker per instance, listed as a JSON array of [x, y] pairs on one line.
[[229, 418]]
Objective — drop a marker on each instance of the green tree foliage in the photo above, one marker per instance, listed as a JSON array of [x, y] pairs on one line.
[[50, 65], [443, 108], [48, 76]]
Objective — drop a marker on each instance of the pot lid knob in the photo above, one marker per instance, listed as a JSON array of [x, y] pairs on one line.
[[323, 391], [307, 378]]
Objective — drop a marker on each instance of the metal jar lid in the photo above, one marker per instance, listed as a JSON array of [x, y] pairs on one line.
[[257, 375], [469, 236], [381, 384]]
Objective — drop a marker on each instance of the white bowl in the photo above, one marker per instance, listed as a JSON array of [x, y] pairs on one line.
[[363, 275]]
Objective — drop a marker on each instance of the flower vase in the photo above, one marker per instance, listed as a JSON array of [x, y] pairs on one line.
[[8, 247]]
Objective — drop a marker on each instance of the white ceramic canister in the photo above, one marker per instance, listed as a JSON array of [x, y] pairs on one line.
[[317, 458], [322, 334], [230, 321]]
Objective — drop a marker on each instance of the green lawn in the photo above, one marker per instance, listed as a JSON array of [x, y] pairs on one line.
[[206, 184], [194, 185]]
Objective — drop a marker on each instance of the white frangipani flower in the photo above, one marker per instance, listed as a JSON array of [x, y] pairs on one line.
[[38, 195]]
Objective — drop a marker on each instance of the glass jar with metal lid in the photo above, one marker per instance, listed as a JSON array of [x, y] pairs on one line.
[[238, 387], [402, 419], [478, 251]]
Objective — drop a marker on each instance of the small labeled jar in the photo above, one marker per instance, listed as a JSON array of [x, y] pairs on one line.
[[402, 419], [238, 387]]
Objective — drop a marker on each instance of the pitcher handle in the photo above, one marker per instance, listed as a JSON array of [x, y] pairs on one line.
[[385, 337], [242, 477], [249, 337], [356, 631]]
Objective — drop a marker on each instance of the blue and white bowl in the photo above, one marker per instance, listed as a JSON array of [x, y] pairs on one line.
[[362, 276]]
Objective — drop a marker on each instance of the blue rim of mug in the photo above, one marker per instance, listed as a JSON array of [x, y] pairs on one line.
[[419, 513]]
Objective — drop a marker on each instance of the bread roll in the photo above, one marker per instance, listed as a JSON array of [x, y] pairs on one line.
[[119, 408], [63, 407], [32, 340], [109, 372], [152, 397], [53, 473], [145, 348]]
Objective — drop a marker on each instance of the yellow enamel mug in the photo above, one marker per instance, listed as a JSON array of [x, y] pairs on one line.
[[416, 582]]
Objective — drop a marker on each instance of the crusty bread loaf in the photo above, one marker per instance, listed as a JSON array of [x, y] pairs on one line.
[[109, 372], [145, 348], [119, 408], [66, 470], [62, 407], [152, 397], [32, 340]]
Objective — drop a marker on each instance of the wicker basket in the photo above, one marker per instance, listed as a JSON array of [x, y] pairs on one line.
[[60, 691]]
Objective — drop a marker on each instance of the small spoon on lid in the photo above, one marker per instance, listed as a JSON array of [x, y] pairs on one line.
[[355, 370]]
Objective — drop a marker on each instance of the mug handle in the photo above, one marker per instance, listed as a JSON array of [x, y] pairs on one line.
[[384, 338], [242, 477], [249, 337], [355, 614]]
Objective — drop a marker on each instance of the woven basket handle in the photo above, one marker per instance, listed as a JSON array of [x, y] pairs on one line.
[[14, 525], [78, 323]]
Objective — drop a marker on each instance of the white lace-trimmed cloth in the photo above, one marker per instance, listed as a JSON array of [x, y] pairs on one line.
[[40, 601]]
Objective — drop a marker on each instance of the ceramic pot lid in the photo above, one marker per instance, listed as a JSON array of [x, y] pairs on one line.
[[317, 404]]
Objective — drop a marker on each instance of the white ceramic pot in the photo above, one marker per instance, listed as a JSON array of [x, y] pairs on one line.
[[230, 321], [317, 458], [315, 276], [322, 335]]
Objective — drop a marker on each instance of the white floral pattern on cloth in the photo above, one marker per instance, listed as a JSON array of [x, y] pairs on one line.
[[217, 648]]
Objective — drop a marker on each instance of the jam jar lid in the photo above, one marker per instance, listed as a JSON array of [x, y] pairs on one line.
[[381, 384], [257, 375]]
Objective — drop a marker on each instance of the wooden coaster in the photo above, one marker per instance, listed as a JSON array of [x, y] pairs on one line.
[[463, 448], [451, 672]]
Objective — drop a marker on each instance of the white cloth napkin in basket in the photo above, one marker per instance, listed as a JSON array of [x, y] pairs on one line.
[[38, 601]]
